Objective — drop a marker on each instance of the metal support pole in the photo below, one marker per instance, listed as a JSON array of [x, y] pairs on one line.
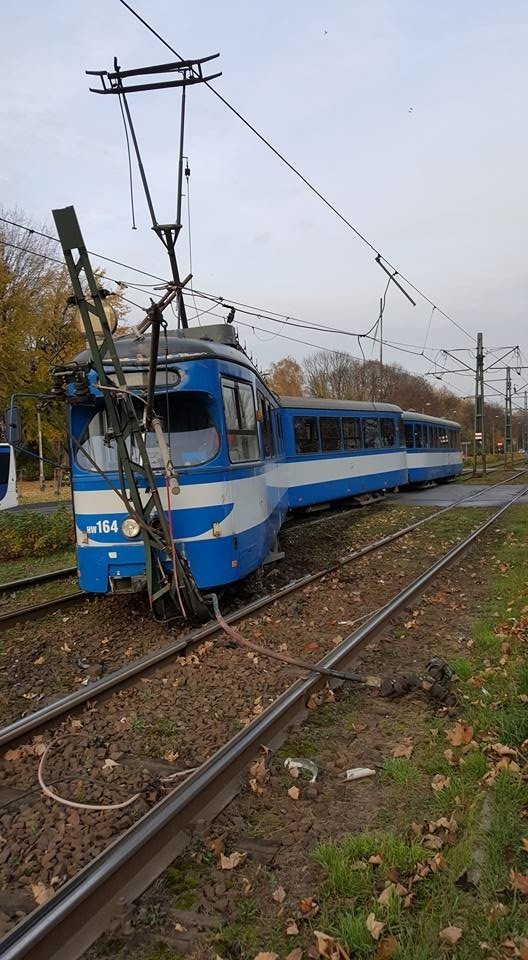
[[42, 478], [525, 431], [479, 444], [508, 446]]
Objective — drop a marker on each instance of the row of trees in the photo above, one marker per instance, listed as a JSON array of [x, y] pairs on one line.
[[339, 376], [37, 326]]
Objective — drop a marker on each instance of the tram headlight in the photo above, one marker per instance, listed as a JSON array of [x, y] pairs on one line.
[[130, 528]]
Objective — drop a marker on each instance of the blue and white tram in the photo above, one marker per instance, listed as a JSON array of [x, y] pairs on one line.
[[8, 494], [434, 450], [339, 448], [222, 427]]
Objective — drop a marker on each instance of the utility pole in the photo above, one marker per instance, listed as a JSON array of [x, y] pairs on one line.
[[42, 478], [508, 446], [525, 431], [479, 448], [381, 350]]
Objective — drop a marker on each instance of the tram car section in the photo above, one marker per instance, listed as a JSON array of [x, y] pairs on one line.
[[8, 494], [223, 430], [434, 450], [338, 449]]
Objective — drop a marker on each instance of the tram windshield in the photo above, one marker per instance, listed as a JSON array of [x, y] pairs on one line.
[[189, 430]]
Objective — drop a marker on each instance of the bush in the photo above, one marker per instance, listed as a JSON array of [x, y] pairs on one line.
[[30, 533]]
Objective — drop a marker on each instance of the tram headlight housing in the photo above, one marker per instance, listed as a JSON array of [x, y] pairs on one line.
[[130, 528]]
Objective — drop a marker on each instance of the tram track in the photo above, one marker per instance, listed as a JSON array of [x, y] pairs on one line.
[[81, 909], [52, 713], [34, 611]]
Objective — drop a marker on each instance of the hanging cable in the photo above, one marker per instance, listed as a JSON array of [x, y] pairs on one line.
[[298, 174], [130, 178]]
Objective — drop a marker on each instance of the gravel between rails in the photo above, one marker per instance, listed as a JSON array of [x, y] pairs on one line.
[[49, 657], [177, 718]]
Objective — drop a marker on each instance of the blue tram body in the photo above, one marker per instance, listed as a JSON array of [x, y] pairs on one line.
[[221, 426], [339, 448], [8, 494], [243, 457], [434, 450]]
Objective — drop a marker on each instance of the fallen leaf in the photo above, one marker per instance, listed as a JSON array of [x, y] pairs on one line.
[[170, 756], [440, 782], [295, 954], [375, 859], [524, 843], [41, 893], [232, 861], [109, 764], [386, 949], [519, 882], [264, 955], [308, 907], [374, 926], [279, 895], [39, 661], [523, 950], [291, 929], [66, 648], [216, 845], [403, 750], [450, 934], [329, 947], [460, 734], [503, 751], [13, 754], [294, 793], [386, 894]]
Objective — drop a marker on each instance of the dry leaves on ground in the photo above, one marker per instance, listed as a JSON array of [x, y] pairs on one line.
[[440, 782], [41, 893], [279, 895], [232, 861], [460, 734], [451, 934], [294, 793], [386, 949], [330, 948], [308, 907], [403, 749], [519, 882], [374, 926]]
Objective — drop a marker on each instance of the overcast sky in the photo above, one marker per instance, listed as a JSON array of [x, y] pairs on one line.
[[409, 116]]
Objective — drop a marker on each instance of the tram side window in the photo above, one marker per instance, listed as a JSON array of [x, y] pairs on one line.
[[241, 423], [306, 436], [409, 436], [418, 436], [5, 455], [352, 438], [330, 433], [266, 427], [371, 427], [388, 432]]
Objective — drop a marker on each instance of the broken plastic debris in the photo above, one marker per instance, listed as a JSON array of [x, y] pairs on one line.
[[357, 773], [298, 763]]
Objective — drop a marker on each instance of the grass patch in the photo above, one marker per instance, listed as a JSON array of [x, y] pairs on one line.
[[35, 534], [401, 771]]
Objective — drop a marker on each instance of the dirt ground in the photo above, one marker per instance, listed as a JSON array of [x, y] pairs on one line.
[[177, 718]]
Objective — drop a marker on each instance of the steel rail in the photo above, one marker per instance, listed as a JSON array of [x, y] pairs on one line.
[[19, 729], [21, 614], [64, 927], [38, 578]]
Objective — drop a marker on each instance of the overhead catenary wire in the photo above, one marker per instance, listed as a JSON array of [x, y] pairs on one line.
[[361, 236]]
